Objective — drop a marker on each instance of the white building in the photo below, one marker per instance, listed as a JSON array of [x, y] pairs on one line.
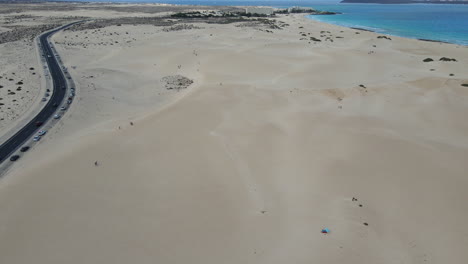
[[261, 10]]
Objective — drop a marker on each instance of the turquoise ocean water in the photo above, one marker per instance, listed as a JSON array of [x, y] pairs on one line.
[[429, 21], [426, 21]]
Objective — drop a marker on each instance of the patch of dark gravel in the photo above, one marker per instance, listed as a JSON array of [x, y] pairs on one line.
[[176, 82], [25, 32]]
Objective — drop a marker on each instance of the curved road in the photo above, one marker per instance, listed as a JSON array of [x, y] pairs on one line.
[[58, 94]]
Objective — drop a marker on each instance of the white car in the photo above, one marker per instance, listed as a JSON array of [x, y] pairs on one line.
[[63, 108], [57, 116], [42, 132], [37, 138]]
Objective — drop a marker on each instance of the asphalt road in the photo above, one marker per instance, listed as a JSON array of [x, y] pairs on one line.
[[59, 92]]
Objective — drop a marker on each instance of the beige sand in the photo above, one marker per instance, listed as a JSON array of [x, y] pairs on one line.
[[247, 165]]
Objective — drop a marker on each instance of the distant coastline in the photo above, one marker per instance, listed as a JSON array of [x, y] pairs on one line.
[[462, 2]]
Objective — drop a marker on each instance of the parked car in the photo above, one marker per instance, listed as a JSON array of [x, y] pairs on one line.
[[47, 95], [14, 157], [37, 138], [69, 102], [39, 123], [63, 108], [44, 99], [57, 116], [42, 132], [25, 148]]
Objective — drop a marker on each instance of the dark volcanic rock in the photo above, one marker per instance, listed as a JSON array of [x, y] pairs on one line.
[[315, 39], [384, 37], [446, 59]]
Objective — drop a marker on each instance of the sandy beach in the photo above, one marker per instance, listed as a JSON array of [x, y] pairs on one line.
[[236, 142]]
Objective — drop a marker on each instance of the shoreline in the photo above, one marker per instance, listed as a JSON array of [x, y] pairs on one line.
[[421, 39], [389, 34]]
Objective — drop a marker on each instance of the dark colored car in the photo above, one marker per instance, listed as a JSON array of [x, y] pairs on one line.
[[39, 123], [14, 157], [55, 105], [25, 148]]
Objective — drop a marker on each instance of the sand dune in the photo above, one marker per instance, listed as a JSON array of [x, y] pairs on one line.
[[269, 145]]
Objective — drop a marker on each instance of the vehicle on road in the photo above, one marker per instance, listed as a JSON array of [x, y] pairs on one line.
[[14, 157], [57, 116], [52, 68], [42, 132], [25, 148]]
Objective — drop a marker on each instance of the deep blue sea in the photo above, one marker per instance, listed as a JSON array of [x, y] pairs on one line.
[[426, 21]]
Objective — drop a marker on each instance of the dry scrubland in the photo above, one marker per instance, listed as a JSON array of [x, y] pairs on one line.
[[237, 140]]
